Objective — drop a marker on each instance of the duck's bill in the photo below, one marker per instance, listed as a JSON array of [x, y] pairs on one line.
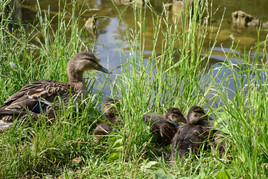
[[101, 68]]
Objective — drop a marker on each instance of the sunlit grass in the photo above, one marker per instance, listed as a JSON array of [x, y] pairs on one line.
[[234, 94]]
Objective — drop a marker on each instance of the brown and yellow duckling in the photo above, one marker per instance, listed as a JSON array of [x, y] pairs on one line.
[[193, 134], [109, 109], [197, 116], [43, 95], [164, 127], [216, 137], [219, 142]]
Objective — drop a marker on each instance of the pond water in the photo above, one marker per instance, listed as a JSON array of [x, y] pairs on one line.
[[111, 35]]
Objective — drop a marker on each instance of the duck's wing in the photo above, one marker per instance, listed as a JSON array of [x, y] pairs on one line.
[[187, 137], [167, 132], [176, 148], [36, 96]]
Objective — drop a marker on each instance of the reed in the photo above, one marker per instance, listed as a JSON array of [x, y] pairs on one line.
[[235, 94]]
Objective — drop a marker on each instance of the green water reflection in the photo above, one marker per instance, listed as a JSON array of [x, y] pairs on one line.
[[109, 18], [111, 30]]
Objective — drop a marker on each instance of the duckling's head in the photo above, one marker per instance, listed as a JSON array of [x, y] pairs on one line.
[[82, 62], [196, 114], [110, 107], [174, 115]]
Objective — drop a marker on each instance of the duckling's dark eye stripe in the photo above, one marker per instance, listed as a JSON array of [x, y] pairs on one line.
[[199, 110], [87, 58], [94, 60]]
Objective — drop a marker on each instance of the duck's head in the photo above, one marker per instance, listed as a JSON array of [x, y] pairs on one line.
[[110, 107], [174, 115], [196, 114], [82, 62]]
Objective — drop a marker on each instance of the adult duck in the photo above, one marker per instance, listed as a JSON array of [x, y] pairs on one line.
[[44, 95]]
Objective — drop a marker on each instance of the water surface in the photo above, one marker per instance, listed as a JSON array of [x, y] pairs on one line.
[[111, 36]]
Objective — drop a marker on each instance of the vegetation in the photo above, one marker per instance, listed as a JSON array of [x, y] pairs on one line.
[[234, 94]]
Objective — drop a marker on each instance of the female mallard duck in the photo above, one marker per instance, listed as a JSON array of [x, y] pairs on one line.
[[164, 127], [43, 95], [109, 109], [193, 134]]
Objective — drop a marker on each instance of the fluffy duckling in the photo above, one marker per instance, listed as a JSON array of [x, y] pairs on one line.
[[164, 127], [197, 115], [193, 134], [109, 109], [43, 95], [220, 141], [103, 128]]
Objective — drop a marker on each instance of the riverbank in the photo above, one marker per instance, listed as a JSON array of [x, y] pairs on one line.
[[234, 94]]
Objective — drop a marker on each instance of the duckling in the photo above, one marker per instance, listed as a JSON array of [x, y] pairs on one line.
[[109, 109], [220, 141], [102, 129], [43, 95], [216, 138], [197, 115], [193, 134], [164, 127]]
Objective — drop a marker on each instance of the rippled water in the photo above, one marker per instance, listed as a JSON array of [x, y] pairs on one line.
[[111, 33]]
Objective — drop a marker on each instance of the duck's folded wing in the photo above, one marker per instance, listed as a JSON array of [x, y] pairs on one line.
[[36, 96], [9, 112]]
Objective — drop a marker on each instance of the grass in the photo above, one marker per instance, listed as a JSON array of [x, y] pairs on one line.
[[234, 94]]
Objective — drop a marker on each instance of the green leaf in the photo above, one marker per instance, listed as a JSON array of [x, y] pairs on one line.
[[163, 176], [113, 157], [223, 175]]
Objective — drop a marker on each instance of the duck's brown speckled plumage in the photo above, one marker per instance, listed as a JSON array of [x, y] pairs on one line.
[[39, 96], [164, 127]]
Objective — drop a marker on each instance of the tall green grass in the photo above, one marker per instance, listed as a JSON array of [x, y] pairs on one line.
[[154, 84]]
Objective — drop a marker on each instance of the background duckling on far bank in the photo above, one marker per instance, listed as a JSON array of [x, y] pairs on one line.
[[164, 127]]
